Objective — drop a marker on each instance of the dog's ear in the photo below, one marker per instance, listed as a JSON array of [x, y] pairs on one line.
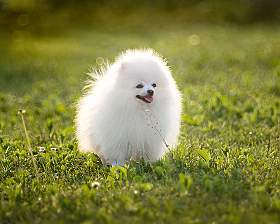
[[123, 67]]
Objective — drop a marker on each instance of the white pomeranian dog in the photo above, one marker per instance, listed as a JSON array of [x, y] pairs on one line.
[[131, 110]]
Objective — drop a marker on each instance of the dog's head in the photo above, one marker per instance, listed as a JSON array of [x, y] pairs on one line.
[[142, 77], [145, 74]]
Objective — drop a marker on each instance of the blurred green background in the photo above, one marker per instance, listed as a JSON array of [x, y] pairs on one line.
[[72, 34], [51, 16]]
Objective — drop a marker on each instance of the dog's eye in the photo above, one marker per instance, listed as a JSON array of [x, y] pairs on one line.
[[140, 86], [154, 85]]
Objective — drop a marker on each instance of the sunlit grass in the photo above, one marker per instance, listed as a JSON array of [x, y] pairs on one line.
[[224, 170]]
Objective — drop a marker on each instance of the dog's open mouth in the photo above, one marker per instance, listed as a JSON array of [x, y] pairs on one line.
[[146, 99]]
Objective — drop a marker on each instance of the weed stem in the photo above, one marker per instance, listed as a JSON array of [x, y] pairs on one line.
[[21, 112]]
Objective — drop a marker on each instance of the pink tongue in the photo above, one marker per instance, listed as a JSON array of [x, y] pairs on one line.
[[149, 99]]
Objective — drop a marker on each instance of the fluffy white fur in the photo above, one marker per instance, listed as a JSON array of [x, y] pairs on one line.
[[115, 124]]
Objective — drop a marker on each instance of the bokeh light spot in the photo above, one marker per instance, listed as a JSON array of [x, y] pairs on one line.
[[99, 61], [53, 63], [37, 62], [23, 20], [194, 39]]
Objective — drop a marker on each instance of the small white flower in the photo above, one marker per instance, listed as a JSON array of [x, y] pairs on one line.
[[21, 111], [95, 184], [41, 149]]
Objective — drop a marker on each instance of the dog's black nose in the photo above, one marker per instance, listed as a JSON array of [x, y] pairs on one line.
[[151, 92]]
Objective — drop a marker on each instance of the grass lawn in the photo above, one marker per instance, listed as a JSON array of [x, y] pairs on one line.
[[226, 168]]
